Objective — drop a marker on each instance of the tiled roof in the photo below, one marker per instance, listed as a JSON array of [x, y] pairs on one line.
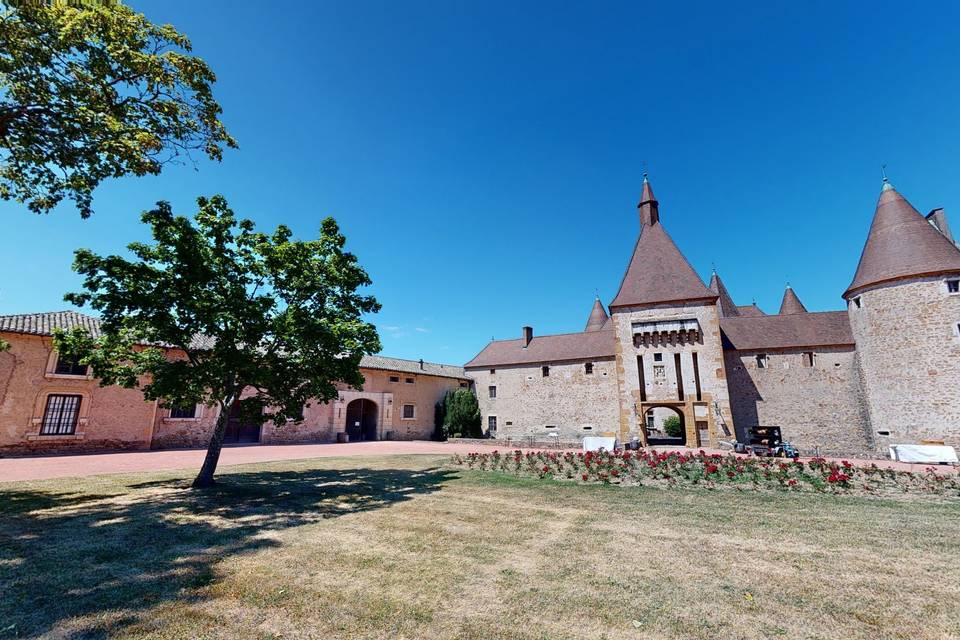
[[791, 303], [728, 309], [43, 324], [750, 310], [598, 317], [901, 243], [412, 366], [545, 349], [658, 272], [820, 329]]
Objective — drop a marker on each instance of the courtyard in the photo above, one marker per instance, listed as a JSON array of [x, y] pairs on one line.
[[407, 546]]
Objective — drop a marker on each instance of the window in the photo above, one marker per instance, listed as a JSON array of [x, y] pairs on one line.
[[658, 357], [492, 390], [588, 427], [550, 426], [545, 371], [184, 413], [856, 302], [408, 380], [492, 371], [409, 411], [953, 286], [394, 378], [761, 361], [491, 423], [60, 415], [588, 368], [69, 367], [464, 385], [808, 358]]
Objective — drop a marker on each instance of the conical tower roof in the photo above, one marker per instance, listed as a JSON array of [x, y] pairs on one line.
[[901, 244], [728, 309], [791, 303], [598, 317], [658, 272]]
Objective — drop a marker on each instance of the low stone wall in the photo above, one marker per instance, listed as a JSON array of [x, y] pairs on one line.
[[518, 443]]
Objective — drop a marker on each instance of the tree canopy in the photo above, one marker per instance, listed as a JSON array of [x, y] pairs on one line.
[[213, 311], [94, 90]]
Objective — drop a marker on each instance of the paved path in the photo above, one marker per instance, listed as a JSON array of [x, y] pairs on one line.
[[37, 468], [68, 466]]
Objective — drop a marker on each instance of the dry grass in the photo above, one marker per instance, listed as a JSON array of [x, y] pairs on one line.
[[403, 548]]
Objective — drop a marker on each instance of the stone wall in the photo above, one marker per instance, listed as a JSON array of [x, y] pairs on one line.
[[819, 408], [660, 378], [568, 402], [909, 348], [109, 417]]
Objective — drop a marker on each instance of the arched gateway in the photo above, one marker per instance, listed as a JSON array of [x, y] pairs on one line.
[[362, 420]]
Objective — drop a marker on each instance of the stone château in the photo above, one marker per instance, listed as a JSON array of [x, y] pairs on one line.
[[886, 370]]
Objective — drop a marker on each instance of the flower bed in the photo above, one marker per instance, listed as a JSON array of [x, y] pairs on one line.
[[675, 468]]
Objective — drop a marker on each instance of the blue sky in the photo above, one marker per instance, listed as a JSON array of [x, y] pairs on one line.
[[484, 159]]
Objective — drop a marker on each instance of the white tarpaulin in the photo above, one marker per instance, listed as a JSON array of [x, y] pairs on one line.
[[923, 453], [595, 443]]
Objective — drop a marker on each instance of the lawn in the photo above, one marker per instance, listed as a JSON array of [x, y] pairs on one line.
[[403, 547]]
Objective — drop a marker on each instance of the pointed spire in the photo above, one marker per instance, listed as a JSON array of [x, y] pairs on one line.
[[791, 303], [598, 316], [901, 244], [649, 207], [724, 302]]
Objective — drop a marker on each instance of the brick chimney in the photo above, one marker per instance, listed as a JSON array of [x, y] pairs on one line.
[[527, 336]]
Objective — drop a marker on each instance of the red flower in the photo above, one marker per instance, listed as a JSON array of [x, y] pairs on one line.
[[791, 483], [584, 476], [711, 468], [546, 469]]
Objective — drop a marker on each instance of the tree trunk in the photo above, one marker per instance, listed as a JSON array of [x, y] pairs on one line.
[[205, 477]]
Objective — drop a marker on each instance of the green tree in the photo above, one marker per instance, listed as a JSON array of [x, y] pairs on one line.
[[461, 415], [672, 427], [212, 311], [94, 90]]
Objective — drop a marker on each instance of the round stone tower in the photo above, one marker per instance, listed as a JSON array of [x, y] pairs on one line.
[[904, 307]]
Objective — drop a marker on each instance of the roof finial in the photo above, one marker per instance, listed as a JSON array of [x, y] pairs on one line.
[[713, 268], [788, 285], [886, 182]]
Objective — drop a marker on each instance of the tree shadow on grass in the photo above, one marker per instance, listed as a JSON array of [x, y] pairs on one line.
[[111, 556]]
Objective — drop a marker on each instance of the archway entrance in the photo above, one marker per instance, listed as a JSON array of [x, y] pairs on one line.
[[665, 426], [362, 420]]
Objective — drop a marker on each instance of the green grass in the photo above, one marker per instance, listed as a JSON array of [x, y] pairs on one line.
[[402, 547]]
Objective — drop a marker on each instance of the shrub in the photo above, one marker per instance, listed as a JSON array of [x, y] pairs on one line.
[[673, 427], [461, 415]]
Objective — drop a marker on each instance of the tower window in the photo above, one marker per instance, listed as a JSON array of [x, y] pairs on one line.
[[588, 368], [856, 302], [761, 361], [492, 371], [545, 371], [492, 423], [808, 358], [953, 286], [658, 357], [492, 390]]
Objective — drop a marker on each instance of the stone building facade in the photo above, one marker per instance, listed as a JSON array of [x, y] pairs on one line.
[[884, 371], [48, 405]]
